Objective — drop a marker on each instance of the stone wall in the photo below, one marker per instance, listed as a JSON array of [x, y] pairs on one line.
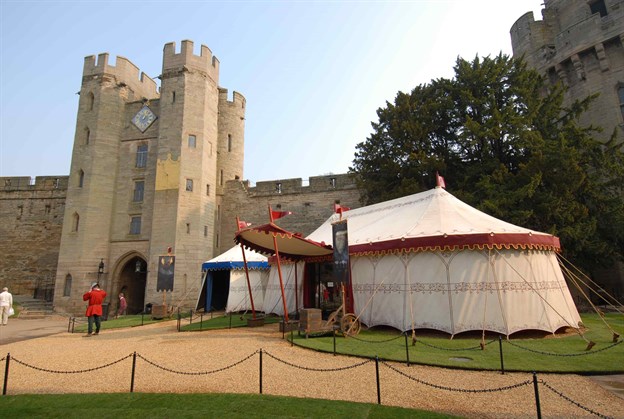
[[31, 219]]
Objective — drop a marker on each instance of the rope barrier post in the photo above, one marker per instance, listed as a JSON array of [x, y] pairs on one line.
[[260, 371], [69, 324], [292, 339], [179, 320], [133, 370], [230, 320], [142, 314], [190, 317], [500, 347], [283, 326], [6, 374], [201, 322], [73, 324], [377, 374], [406, 350], [537, 400], [334, 331]]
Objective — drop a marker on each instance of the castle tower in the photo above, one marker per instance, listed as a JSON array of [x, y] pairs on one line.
[[230, 150], [85, 239], [184, 199]]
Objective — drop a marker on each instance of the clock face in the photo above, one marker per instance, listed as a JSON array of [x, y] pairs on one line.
[[144, 118]]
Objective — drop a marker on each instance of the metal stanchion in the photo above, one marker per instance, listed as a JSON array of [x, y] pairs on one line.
[[260, 371], [500, 347], [406, 350], [377, 374], [537, 401], [133, 370], [6, 374]]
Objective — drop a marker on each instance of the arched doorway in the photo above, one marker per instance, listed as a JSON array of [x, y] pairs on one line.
[[132, 280]]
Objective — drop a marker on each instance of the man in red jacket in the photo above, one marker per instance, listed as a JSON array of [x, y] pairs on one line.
[[95, 297]]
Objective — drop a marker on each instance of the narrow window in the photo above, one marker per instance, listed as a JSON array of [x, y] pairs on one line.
[[135, 225], [141, 155], [218, 213], [229, 143], [598, 7], [87, 136], [139, 188], [47, 208], [192, 141], [209, 148], [221, 178], [189, 185], [80, 178], [621, 96], [207, 190], [217, 240], [332, 182], [90, 101], [57, 181], [188, 228], [173, 97], [278, 187], [68, 285], [205, 231], [75, 222]]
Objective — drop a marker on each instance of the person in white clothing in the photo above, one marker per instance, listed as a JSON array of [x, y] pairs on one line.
[[6, 303]]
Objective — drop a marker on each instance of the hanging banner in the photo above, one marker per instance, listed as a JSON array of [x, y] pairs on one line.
[[341, 251], [166, 265]]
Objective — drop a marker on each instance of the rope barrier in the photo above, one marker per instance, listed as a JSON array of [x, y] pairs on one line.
[[71, 371], [318, 369], [196, 372], [454, 349], [555, 354], [375, 341], [460, 390], [563, 396]]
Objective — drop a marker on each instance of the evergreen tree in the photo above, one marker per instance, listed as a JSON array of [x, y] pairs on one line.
[[506, 145]]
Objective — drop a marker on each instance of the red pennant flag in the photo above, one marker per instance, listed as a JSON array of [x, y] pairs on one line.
[[440, 181], [339, 209], [279, 214], [243, 224]]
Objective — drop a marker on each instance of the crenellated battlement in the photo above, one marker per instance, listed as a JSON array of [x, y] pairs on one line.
[[344, 181], [27, 183], [238, 100], [185, 59], [124, 71]]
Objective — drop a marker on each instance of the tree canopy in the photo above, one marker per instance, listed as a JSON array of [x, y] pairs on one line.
[[506, 144]]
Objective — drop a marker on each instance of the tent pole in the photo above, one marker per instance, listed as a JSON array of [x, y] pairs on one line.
[[279, 272], [296, 289], [253, 310]]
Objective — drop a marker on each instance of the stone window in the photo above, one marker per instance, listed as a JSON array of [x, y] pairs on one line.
[[205, 231], [48, 208], [192, 141], [173, 97], [217, 240], [141, 155], [189, 185], [229, 143], [621, 97], [81, 178], [139, 190], [188, 228], [207, 189], [68, 285], [90, 101], [278, 187], [75, 222], [598, 6], [135, 224], [57, 182], [87, 136], [332, 182], [221, 177]]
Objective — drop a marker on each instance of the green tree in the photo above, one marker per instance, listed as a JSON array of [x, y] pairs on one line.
[[507, 145]]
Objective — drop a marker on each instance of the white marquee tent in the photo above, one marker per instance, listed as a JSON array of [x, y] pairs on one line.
[[431, 261], [227, 271]]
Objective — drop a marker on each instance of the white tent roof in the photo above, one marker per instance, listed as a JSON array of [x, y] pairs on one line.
[[433, 220], [233, 259]]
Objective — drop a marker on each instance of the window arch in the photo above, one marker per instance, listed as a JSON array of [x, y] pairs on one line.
[[75, 222], [81, 178], [68, 285], [90, 101]]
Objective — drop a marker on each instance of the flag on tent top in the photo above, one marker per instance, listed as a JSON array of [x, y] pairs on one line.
[[339, 209], [243, 224], [440, 181], [275, 215]]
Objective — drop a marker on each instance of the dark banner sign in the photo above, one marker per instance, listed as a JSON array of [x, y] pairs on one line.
[[166, 265], [341, 251]]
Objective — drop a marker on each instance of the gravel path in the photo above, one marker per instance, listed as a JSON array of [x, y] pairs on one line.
[[209, 351]]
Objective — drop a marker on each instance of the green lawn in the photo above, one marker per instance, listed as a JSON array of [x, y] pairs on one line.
[[121, 322], [208, 322], [449, 353], [142, 405]]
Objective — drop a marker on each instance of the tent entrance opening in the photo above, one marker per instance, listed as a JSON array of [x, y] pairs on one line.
[[321, 290], [220, 288]]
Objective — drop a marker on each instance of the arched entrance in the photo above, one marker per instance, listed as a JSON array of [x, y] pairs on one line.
[[132, 280]]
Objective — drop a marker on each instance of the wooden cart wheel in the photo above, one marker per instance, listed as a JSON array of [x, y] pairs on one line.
[[349, 325]]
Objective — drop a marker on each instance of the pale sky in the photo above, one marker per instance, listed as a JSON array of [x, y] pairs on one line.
[[314, 73]]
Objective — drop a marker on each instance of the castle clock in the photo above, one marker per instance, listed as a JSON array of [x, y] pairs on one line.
[[144, 118]]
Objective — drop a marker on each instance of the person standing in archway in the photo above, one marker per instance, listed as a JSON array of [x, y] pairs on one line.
[[95, 297], [123, 305]]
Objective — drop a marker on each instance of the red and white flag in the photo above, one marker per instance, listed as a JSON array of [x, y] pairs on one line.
[[243, 224], [440, 181], [339, 209], [275, 215]]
